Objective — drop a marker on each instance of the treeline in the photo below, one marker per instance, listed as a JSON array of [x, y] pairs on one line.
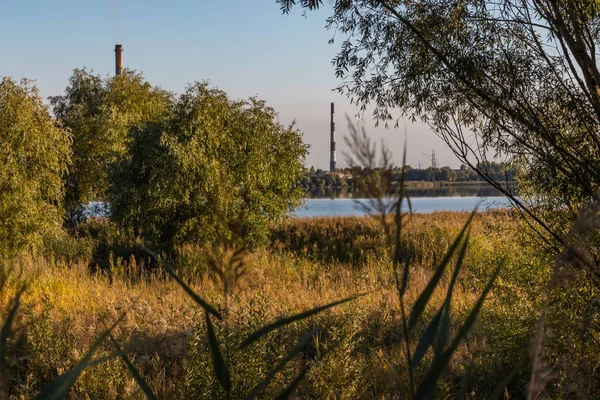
[[344, 177]]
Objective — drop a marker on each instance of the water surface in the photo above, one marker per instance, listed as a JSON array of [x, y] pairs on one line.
[[346, 207], [341, 202]]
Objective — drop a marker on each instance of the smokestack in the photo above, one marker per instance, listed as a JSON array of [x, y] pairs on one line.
[[332, 161], [118, 59]]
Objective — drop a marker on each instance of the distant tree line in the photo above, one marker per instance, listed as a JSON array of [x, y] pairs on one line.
[[344, 177]]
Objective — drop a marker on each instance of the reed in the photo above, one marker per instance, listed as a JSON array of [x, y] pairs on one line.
[[357, 352]]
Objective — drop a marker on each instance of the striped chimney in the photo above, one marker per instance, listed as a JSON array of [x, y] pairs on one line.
[[332, 161]]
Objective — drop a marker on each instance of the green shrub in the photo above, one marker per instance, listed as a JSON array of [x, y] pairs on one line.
[[212, 170], [111, 244], [34, 155], [66, 248]]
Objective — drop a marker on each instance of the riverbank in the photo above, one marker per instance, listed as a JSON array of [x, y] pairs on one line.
[[432, 184], [419, 184], [310, 262], [415, 189]]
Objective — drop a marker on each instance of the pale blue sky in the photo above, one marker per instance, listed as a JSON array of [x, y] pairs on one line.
[[244, 47]]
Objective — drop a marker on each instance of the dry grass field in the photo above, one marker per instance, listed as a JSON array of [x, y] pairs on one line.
[[357, 352]]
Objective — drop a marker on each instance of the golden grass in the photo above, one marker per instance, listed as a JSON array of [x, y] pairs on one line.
[[364, 357]]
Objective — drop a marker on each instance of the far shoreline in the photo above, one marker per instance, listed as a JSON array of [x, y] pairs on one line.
[[420, 184]]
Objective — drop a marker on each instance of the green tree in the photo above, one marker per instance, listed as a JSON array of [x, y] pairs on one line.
[[446, 174], [509, 79], [34, 154], [213, 168], [99, 113]]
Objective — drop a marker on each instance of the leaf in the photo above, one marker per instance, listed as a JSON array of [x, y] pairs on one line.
[[498, 392], [405, 274], [287, 392], [219, 365], [8, 324], [427, 338], [208, 308], [401, 286], [444, 330], [440, 365], [136, 374], [423, 299], [464, 382], [285, 321], [60, 386], [291, 354]]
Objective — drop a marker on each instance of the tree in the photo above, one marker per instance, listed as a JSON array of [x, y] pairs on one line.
[[512, 79], [99, 113], [212, 169], [34, 153], [446, 174], [508, 80]]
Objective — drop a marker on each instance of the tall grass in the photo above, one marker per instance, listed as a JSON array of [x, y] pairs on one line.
[[357, 352], [360, 240]]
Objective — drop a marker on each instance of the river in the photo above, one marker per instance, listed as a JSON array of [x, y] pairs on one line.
[[345, 206], [340, 202], [343, 203]]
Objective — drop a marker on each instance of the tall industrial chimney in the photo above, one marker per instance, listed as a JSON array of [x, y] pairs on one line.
[[332, 162], [118, 59]]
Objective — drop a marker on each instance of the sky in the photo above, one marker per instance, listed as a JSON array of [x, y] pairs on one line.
[[246, 48]]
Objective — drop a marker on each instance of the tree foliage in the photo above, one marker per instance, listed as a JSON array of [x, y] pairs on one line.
[[211, 168], [512, 79], [99, 112], [34, 154]]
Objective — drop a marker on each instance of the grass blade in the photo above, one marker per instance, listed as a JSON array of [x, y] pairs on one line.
[[134, 372], [289, 391], [285, 321], [398, 217], [60, 386], [464, 382], [5, 333], [218, 362], [427, 338], [423, 299], [405, 272], [441, 363], [104, 359], [498, 392], [291, 354], [444, 331], [207, 307]]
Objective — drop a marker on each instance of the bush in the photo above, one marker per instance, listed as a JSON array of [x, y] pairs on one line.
[[67, 248], [213, 170], [34, 155], [99, 113], [114, 249]]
